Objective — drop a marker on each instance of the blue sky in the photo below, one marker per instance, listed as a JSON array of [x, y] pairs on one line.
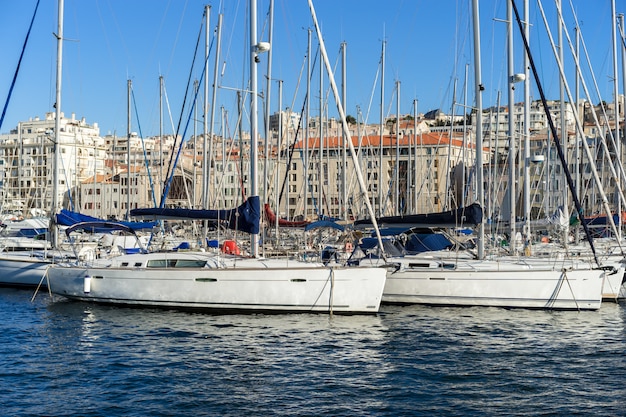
[[428, 49]]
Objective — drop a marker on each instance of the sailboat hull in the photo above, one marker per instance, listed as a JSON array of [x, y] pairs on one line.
[[22, 270], [222, 284], [492, 283]]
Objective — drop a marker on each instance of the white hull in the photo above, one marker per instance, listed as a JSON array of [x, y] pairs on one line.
[[226, 283], [493, 283], [22, 270]]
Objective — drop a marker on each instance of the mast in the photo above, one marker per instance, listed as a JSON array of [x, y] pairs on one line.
[[278, 151], [526, 133], [320, 168], [479, 125], [382, 128], [397, 170], [342, 115], [623, 39], [128, 103], [511, 133], [344, 162], [616, 105], [413, 169], [57, 125], [196, 87], [254, 186], [563, 123], [268, 90], [465, 142], [160, 135], [306, 129], [206, 157], [448, 190]]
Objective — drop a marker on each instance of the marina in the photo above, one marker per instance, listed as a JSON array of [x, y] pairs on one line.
[[261, 259]]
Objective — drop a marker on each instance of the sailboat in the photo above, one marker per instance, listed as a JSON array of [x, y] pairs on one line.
[[466, 279], [218, 281], [29, 268]]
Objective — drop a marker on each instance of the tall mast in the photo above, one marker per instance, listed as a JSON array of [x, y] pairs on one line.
[[397, 170], [578, 133], [306, 129], [526, 132], [279, 146], [268, 89], [479, 125], [344, 162], [57, 119], [209, 157], [320, 168], [616, 105], [206, 153], [128, 103], [160, 136], [511, 133], [382, 126], [563, 123], [254, 186], [623, 39]]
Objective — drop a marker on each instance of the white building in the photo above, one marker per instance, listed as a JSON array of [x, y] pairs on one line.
[[26, 155]]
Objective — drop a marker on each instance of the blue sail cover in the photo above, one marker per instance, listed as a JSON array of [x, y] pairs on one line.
[[464, 216], [99, 227], [425, 242], [323, 224], [70, 218], [246, 217]]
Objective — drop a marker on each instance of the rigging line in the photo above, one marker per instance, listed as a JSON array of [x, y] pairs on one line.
[[143, 146], [180, 148], [174, 157], [293, 146], [19, 63], [555, 138], [610, 135], [293, 101], [171, 167], [169, 108]]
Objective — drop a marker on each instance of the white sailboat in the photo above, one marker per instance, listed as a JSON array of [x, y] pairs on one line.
[[450, 278], [223, 282], [29, 268]]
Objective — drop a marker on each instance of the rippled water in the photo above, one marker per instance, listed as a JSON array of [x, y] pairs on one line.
[[70, 358]]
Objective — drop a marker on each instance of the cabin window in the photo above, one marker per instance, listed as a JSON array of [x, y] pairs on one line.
[[176, 263], [190, 263]]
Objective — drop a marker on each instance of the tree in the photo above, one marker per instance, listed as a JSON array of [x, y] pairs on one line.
[[351, 120]]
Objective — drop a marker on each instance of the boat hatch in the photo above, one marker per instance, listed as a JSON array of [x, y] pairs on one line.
[[419, 265], [176, 263], [298, 280], [135, 265]]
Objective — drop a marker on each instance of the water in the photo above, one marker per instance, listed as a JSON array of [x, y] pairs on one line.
[[69, 358]]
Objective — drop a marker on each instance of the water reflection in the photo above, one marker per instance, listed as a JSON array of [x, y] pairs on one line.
[[404, 361]]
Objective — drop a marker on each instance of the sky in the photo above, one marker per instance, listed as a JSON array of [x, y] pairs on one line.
[[428, 53]]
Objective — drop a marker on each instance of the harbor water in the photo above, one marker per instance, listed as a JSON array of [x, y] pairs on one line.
[[62, 358]]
